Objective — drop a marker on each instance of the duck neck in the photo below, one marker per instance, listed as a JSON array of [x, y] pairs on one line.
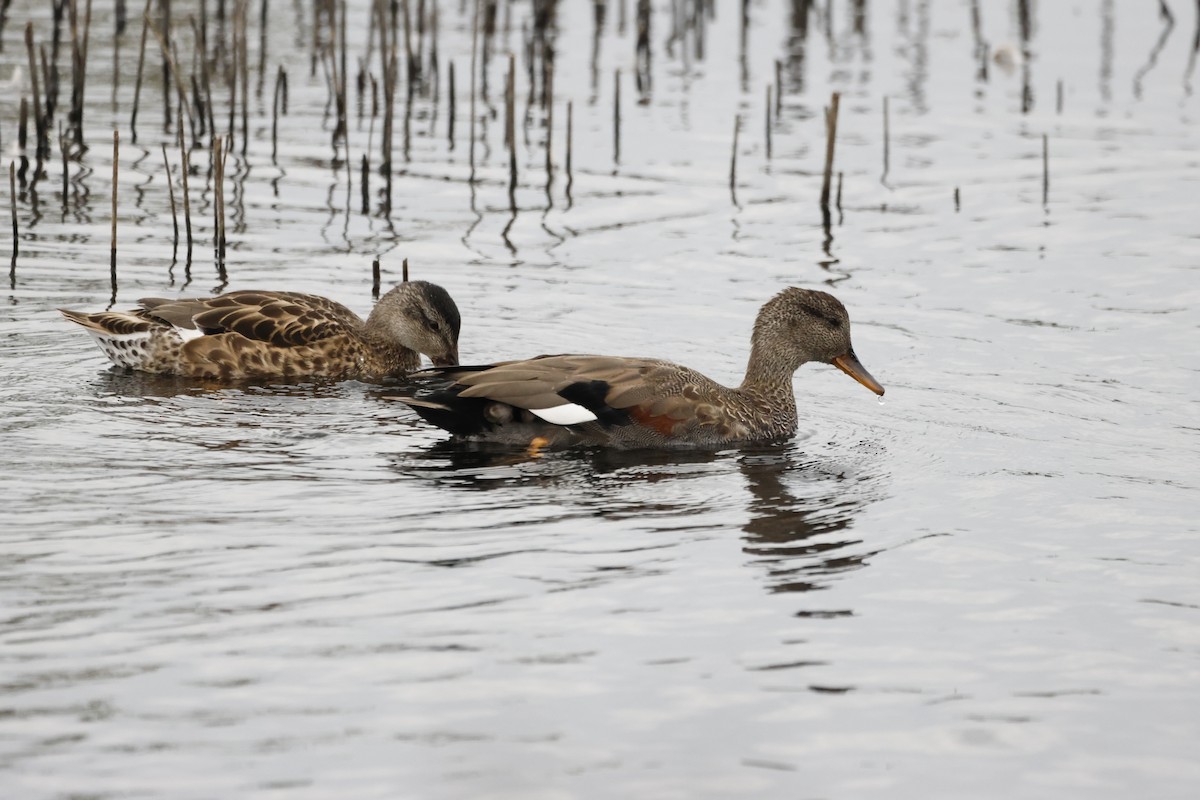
[[393, 357], [768, 380]]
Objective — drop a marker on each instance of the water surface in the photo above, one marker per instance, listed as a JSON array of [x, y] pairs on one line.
[[984, 587]]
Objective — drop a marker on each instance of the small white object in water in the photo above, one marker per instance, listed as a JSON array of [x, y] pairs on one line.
[[1008, 57]]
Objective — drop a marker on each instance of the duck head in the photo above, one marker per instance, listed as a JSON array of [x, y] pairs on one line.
[[801, 325], [422, 317]]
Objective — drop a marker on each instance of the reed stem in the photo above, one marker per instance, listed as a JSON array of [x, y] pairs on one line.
[[174, 212], [737, 129], [831, 120], [137, 84], [452, 109], [365, 182], [113, 248], [219, 201], [12, 204], [185, 168]]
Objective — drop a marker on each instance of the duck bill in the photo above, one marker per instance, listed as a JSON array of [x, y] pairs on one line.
[[850, 365], [448, 360]]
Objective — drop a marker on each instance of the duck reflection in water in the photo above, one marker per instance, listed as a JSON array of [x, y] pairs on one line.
[[118, 382], [800, 510]]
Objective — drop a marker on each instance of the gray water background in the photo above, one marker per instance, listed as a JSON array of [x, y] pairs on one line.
[[988, 586]]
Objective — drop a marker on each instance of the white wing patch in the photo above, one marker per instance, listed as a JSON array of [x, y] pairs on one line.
[[566, 414], [187, 334]]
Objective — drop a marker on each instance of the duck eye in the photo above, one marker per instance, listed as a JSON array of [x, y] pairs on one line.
[[435, 326]]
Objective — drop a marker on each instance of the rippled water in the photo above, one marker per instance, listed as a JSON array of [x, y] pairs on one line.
[[985, 587]]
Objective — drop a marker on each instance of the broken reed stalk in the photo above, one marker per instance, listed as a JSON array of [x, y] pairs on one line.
[[617, 116], [39, 121], [737, 129], [375, 278], [768, 128], [164, 8], [956, 203], [219, 202], [412, 70], [201, 37], [79, 55], [174, 212], [262, 50], [831, 117], [3, 20], [778, 88], [244, 61], [450, 124], [365, 184], [173, 72], [1045, 169], [231, 76], [474, 71], [137, 84], [404, 272], [62, 150], [838, 201], [12, 205], [510, 130], [23, 125], [184, 168], [50, 78], [411, 79], [337, 78], [113, 250], [1059, 96]]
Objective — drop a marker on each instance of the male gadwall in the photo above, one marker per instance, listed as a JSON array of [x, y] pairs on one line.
[[562, 400], [257, 334]]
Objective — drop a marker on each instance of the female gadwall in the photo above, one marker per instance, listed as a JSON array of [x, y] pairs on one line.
[[562, 400], [257, 334]]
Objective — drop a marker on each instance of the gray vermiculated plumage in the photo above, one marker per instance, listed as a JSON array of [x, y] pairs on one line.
[[642, 402]]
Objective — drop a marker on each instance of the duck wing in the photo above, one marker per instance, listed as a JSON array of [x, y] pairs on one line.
[[567, 390], [281, 319]]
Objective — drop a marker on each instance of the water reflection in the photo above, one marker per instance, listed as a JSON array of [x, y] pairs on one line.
[[117, 382], [1164, 12], [795, 517]]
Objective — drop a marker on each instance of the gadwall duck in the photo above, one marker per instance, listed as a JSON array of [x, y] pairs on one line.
[[562, 400], [258, 334]]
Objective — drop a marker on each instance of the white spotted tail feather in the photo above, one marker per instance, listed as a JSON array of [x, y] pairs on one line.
[[130, 340]]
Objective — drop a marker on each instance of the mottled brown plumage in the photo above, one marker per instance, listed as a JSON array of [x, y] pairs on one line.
[[260, 334], [564, 400]]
